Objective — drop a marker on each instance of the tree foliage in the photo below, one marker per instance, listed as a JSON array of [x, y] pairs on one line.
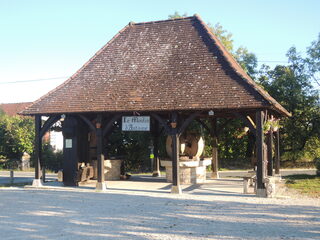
[[16, 136], [176, 14], [292, 87], [313, 61], [133, 147]]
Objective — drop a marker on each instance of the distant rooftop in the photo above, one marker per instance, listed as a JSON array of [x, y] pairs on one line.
[[13, 109]]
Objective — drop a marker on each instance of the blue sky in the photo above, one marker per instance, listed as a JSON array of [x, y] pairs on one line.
[[53, 39]]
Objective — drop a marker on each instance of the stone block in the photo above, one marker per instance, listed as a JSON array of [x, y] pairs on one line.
[[112, 169], [190, 172]]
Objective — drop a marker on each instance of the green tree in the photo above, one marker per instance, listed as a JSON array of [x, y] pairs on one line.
[[247, 60], [313, 61], [16, 136], [292, 87], [177, 15], [224, 36]]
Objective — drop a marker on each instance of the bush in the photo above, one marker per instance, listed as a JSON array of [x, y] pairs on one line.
[[52, 160]]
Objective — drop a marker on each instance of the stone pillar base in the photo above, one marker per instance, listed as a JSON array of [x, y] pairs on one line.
[[101, 186], [36, 183], [215, 175], [277, 178], [176, 189], [156, 174], [261, 192]]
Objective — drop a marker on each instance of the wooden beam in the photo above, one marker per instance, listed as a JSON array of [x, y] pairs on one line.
[[110, 123], [209, 130], [260, 155], [277, 153], [176, 188], [269, 149], [37, 146], [100, 156], [247, 121], [214, 163], [162, 123], [187, 122], [48, 124], [88, 122], [156, 162]]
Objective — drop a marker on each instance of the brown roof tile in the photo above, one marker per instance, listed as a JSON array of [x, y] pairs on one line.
[[12, 109], [157, 66]]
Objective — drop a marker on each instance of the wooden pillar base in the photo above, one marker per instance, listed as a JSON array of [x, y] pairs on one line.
[[176, 189], [156, 174], [37, 183], [101, 186], [215, 175]]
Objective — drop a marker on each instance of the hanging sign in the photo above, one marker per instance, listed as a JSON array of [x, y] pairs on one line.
[[136, 123], [68, 143]]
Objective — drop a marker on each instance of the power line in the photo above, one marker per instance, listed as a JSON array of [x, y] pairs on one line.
[[56, 78], [274, 61], [33, 80]]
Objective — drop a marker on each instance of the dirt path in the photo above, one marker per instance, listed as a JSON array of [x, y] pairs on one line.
[[144, 212]]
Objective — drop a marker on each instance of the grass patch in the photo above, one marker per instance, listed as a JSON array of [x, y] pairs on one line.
[[305, 184], [18, 184]]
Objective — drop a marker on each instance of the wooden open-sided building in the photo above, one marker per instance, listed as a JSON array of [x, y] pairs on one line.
[[174, 71]]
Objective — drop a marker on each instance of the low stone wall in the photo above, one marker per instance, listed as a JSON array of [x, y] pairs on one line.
[[111, 169], [191, 172]]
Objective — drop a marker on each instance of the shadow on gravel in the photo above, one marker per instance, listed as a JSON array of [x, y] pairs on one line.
[[31, 214]]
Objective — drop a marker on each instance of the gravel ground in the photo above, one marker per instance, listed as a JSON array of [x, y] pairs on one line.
[[145, 210]]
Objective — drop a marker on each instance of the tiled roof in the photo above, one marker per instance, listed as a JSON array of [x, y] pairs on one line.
[[12, 109], [158, 66]]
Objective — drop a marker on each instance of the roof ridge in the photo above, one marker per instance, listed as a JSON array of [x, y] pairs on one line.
[[166, 20], [231, 61], [15, 103], [79, 70]]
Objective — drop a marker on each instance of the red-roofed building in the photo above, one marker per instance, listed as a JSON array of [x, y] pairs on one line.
[[12, 109]]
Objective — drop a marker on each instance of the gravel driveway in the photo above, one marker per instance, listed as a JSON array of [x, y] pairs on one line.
[[142, 211]]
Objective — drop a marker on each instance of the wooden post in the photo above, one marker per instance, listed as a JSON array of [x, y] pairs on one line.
[[156, 162], [176, 188], [260, 156], [270, 155], [214, 163], [277, 153], [11, 176], [43, 170], [101, 185], [37, 152]]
